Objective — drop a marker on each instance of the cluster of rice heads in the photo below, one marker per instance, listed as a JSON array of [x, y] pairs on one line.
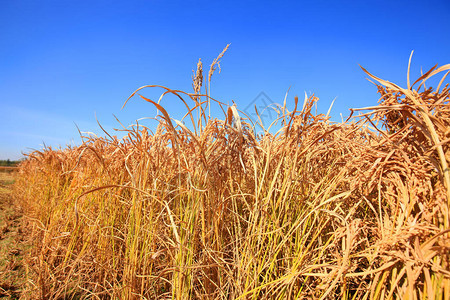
[[355, 210]]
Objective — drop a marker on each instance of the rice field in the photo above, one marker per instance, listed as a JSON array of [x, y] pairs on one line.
[[205, 208]]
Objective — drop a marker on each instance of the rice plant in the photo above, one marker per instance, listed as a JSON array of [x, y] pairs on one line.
[[205, 208]]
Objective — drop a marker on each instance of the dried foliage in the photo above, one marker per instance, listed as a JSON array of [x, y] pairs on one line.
[[210, 210]]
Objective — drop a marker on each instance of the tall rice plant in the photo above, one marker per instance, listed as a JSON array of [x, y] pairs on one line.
[[211, 210]]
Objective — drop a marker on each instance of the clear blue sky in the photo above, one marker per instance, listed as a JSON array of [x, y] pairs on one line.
[[63, 62]]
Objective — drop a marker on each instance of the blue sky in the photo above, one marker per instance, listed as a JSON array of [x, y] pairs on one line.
[[65, 62]]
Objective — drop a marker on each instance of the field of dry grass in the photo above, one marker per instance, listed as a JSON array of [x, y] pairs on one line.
[[12, 244], [210, 210]]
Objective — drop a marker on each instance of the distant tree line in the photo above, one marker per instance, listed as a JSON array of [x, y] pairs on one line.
[[9, 163]]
